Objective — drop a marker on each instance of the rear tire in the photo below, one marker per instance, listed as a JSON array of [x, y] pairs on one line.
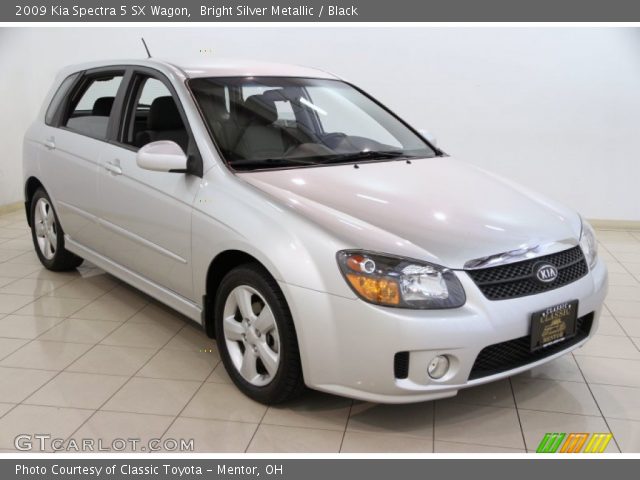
[[256, 336], [48, 237]]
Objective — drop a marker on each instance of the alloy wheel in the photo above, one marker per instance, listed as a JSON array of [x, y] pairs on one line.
[[251, 335], [45, 228]]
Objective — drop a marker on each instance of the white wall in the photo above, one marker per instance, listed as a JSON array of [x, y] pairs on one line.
[[556, 109]]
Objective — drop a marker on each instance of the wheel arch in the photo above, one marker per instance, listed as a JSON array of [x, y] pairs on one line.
[[222, 264], [30, 187]]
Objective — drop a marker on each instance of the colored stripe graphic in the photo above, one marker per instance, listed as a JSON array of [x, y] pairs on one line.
[[598, 443], [550, 442], [574, 443]]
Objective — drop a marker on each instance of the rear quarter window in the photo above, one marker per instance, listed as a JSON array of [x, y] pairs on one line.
[[58, 97]]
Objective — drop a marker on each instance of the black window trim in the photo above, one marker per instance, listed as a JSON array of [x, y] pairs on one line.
[[61, 100], [128, 72]]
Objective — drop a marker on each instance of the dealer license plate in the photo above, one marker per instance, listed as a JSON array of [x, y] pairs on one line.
[[553, 325]]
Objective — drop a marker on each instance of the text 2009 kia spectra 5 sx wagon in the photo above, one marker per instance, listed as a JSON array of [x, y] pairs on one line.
[[316, 235]]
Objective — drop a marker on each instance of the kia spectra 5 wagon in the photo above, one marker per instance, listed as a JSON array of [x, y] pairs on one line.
[[317, 236]]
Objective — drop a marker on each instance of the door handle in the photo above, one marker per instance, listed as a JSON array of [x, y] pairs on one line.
[[50, 143], [113, 168]]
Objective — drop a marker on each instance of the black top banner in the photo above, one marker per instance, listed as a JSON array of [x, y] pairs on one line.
[[319, 11]]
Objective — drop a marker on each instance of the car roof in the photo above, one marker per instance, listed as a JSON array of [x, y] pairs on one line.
[[196, 68]]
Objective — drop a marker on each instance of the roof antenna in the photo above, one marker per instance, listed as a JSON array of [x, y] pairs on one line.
[[145, 47]]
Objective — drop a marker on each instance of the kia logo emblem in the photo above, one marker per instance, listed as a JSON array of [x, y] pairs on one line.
[[545, 272]]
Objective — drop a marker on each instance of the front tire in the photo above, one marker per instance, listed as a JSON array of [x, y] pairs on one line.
[[48, 237], [256, 336]]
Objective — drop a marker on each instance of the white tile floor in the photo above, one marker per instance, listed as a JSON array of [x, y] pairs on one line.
[[83, 355]]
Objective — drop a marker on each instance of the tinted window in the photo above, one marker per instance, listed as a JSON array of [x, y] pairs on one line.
[[152, 89], [276, 122], [90, 114], [58, 97], [153, 115]]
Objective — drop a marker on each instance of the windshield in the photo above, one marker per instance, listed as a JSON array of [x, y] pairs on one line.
[[277, 122]]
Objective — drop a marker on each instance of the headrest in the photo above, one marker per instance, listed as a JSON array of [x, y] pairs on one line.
[[164, 115], [218, 105], [102, 106], [213, 99], [277, 94], [261, 109]]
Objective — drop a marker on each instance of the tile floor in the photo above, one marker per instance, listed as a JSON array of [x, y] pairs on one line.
[[84, 356]]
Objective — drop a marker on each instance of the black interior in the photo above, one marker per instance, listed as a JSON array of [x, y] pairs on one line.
[[163, 122], [253, 129], [102, 106]]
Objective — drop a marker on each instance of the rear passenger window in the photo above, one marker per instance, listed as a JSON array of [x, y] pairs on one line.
[[286, 117], [90, 114]]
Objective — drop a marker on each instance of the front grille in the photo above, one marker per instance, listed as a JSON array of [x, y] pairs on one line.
[[518, 279], [401, 365], [511, 354]]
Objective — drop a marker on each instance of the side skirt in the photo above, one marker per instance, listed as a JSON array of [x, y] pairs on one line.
[[164, 295]]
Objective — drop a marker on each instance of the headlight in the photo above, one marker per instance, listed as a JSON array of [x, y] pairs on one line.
[[589, 244], [400, 282]]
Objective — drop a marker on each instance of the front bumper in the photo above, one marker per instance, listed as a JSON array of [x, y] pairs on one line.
[[347, 346]]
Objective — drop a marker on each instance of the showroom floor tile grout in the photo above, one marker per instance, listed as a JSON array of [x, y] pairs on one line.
[[125, 383], [346, 424], [204, 382], [515, 402], [205, 419], [27, 343], [264, 414], [600, 409], [62, 319], [618, 261], [575, 414], [65, 369], [36, 298]]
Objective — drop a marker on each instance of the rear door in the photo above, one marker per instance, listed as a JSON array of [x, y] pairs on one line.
[[146, 215], [75, 140]]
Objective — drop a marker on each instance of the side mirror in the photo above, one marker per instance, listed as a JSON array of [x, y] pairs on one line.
[[162, 156], [428, 137]]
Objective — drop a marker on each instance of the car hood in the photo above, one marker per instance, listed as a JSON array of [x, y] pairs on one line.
[[436, 209]]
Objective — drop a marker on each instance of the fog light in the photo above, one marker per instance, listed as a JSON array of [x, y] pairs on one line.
[[438, 367]]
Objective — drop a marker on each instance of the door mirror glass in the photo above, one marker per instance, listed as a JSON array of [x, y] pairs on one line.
[[428, 137], [162, 156]]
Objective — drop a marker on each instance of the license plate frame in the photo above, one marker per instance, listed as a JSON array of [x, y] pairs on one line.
[[553, 324]]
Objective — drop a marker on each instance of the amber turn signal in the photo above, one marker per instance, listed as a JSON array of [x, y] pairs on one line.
[[378, 290]]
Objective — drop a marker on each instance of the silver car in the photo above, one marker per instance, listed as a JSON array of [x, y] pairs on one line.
[[316, 235]]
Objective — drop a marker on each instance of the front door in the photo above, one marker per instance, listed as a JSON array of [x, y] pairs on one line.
[[146, 215]]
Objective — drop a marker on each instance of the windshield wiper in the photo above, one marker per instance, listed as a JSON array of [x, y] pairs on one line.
[[251, 164], [266, 163], [367, 155]]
